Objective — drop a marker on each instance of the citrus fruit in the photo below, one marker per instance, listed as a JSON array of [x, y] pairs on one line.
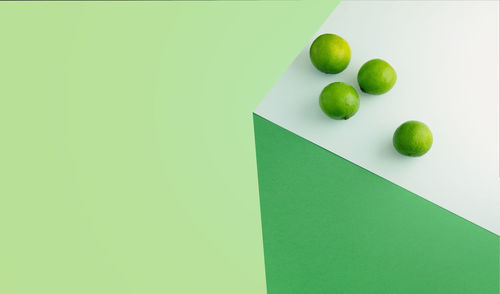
[[339, 100], [412, 138], [376, 77], [330, 53]]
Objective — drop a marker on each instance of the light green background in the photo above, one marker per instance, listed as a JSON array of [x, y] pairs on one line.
[[127, 160]]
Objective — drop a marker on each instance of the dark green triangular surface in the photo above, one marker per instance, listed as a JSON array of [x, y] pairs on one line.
[[331, 226]]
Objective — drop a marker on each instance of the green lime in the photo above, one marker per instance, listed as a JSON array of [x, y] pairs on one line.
[[413, 138], [330, 53], [339, 100], [376, 77]]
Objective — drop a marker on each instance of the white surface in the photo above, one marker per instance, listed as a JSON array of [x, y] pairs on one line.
[[446, 56]]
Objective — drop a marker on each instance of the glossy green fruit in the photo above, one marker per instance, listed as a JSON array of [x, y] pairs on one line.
[[376, 77], [330, 53], [339, 100], [412, 138]]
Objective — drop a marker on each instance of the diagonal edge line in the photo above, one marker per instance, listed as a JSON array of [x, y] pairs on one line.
[[443, 208]]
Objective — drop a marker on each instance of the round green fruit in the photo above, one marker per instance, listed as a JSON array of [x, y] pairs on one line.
[[330, 53], [376, 77], [413, 138], [339, 100]]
